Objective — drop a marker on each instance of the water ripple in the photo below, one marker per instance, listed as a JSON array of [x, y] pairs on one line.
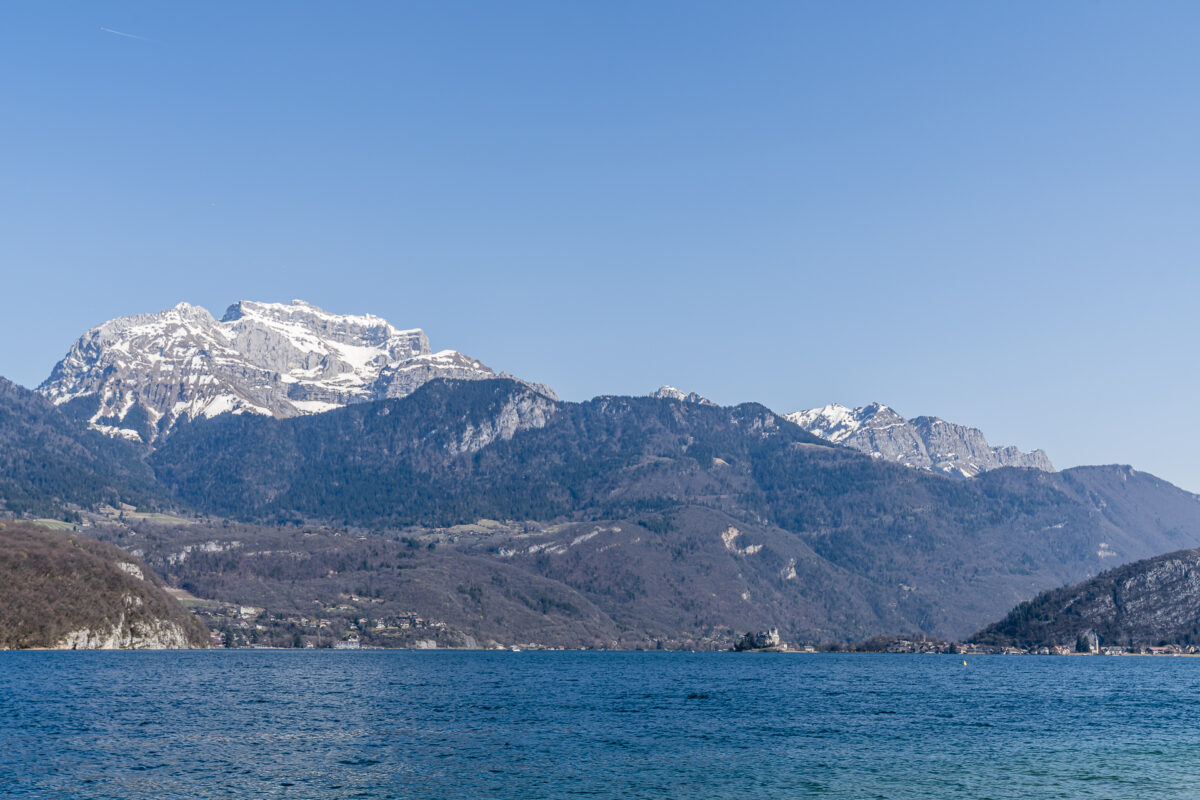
[[559, 725]]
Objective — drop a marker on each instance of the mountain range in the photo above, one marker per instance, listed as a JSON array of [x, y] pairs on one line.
[[932, 552], [655, 518], [925, 443], [137, 377]]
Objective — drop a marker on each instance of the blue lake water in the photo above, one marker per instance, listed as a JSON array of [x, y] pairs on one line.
[[378, 724]]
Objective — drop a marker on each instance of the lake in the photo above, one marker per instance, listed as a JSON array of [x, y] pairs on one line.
[[400, 724]]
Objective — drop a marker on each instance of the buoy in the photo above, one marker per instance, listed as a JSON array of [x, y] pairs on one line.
[[964, 663]]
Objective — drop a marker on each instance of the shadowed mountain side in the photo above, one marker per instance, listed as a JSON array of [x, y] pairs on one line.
[[973, 549], [1141, 510], [458, 451], [48, 460], [1150, 602]]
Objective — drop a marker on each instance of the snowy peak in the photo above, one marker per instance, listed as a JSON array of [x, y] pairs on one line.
[[138, 376], [836, 423], [925, 443], [671, 393], [303, 320]]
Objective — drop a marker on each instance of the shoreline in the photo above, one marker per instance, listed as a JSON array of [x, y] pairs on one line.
[[577, 650]]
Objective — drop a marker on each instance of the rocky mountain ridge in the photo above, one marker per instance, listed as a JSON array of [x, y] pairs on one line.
[[925, 443], [671, 393], [137, 377]]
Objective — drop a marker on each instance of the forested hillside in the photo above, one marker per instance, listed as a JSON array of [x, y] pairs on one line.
[[1155, 601], [69, 591], [49, 461], [424, 459]]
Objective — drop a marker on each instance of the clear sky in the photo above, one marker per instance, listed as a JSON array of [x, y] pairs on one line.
[[985, 212]]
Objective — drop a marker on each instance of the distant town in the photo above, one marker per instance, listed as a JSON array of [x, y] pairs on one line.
[[1084, 647]]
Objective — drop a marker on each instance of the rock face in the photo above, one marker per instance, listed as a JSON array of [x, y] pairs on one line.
[[671, 393], [523, 410], [68, 592], [1140, 604], [925, 443], [125, 635], [136, 377]]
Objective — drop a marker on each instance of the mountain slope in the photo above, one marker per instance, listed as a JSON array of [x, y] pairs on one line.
[[392, 461], [48, 461], [925, 443], [136, 377], [456, 451], [923, 550], [691, 577], [1148, 602], [69, 592], [696, 572]]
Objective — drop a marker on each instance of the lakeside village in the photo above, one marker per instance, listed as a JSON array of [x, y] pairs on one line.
[[233, 626], [1086, 643], [251, 626]]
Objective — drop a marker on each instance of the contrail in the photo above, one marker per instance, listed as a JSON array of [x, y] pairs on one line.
[[122, 33]]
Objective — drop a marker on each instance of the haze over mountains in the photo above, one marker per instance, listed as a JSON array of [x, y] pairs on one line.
[[663, 518]]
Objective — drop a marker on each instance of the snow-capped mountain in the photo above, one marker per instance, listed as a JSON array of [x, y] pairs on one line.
[[137, 376], [671, 393], [922, 442]]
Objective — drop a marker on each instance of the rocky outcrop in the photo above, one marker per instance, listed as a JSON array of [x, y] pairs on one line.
[[520, 411], [925, 443], [125, 635], [136, 377], [671, 393]]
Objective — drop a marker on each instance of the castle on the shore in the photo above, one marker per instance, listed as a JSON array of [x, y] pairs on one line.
[[761, 640]]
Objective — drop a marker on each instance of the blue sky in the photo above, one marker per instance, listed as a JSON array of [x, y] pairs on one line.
[[986, 212]]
